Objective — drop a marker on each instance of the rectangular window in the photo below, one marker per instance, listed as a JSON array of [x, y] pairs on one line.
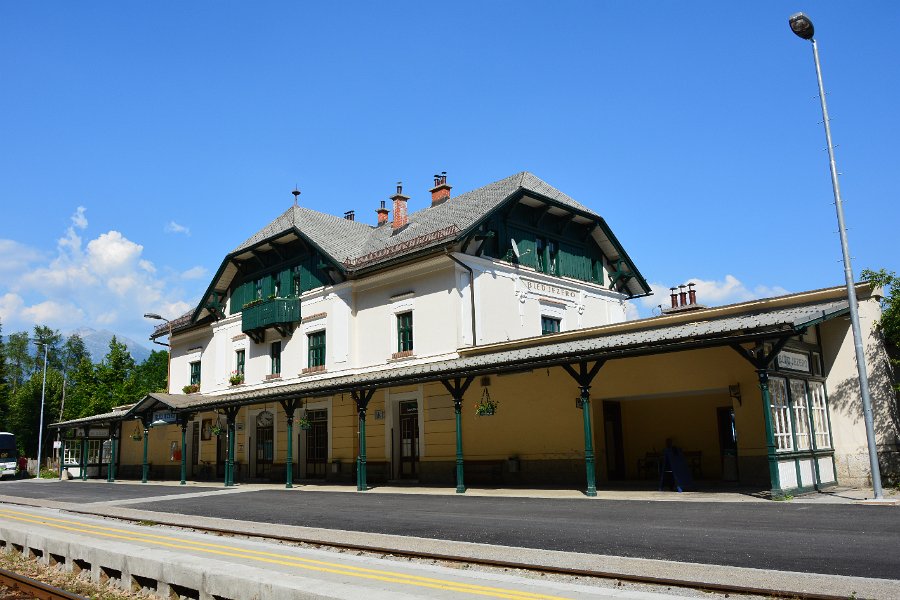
[[275, 353], [195, 373], [801, 413], [258, 289], [72, 452], [239, 361], [549, 325], [819, 414], [552, 258], [405, 332], [540, 259], [93, 451], [316, 349], [781, 417]]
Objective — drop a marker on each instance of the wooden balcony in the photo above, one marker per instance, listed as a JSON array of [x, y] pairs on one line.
[[281, 314]]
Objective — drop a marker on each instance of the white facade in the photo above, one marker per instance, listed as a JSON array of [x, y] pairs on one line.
[[359, 318]]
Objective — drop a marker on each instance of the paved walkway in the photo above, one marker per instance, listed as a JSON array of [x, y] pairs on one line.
[[822, 542]]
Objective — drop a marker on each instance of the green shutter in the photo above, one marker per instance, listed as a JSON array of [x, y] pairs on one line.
[[573, 262], [527, 249], [287, 283]]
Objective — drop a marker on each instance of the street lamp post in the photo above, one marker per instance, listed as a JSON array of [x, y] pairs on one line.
[[169, 346], [802, 26]]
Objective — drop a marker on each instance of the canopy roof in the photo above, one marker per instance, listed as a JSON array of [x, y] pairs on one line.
[[748, 322]]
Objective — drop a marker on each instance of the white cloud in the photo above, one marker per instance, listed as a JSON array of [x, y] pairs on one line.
[[10, 305], [194, 273], [78, 219], [728, 290], [16, 257], [101, 280], [52, 313], [173, 227]]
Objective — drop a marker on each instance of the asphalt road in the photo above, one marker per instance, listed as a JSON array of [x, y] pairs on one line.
[[79, 492], [815, 538]]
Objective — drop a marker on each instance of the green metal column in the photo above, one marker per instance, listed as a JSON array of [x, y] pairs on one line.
[[145, 469], [183, 452], [82, 471], [588, 442], [113, 458], [361, 481], [460, 484], [774, 478], [109, 473], [289, 459], [231, 432]]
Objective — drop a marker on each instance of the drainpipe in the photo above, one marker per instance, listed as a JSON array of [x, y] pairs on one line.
[[471, 290]]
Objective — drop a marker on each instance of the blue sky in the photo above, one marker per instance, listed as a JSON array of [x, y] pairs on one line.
[[140, 142]]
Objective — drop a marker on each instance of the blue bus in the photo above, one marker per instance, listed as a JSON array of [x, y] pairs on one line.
[[9, 455]]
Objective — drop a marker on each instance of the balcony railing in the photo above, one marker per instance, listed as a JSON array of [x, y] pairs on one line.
[[278, 313]]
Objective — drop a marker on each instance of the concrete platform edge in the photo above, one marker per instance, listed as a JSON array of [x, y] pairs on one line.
[[667, 572]]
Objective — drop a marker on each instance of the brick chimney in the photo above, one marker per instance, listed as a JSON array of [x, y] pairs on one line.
[[401, 217], [440, 193], [382, 214]]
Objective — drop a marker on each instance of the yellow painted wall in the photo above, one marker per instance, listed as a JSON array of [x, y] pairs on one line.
[[690, 421]]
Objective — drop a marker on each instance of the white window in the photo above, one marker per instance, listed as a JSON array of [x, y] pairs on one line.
[[819, 414], [781, 417], [72, 452], [93, 451], [801, 413]]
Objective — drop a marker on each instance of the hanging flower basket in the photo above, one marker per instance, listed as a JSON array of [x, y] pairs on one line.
[[304, 423], [216, 430], [487, 406], [136, 435]]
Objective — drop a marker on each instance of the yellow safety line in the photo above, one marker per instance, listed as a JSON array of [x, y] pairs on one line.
[[334, 568]]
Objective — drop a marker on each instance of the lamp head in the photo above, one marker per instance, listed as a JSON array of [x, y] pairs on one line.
[[153, 316], [802, 26]]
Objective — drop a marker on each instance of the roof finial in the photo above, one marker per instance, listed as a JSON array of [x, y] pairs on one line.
[[296, 194]]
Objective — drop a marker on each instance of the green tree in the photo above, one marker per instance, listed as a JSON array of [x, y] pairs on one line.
[[73, 352], [150, 375], [43, 335], [889, 325], [80, 392], [25, 410], [4, 388], [20, 362], [115, 384]]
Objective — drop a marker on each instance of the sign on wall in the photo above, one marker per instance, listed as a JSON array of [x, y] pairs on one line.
[[795, 361], [167, 416]]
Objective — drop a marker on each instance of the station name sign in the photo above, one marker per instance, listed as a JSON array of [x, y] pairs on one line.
[[166, 416], [553, 290], [795, 361]]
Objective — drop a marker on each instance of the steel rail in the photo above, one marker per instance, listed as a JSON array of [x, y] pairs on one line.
[[35, 588], [600, 574]]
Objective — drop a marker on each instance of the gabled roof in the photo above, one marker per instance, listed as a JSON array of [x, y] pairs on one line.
[[356, 247]]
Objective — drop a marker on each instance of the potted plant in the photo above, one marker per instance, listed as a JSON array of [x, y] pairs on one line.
[[304, 423], [236, 378], [487, 406], [216, 430], [191, 388]]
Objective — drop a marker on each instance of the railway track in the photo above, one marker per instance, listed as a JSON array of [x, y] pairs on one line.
[[34, 588]]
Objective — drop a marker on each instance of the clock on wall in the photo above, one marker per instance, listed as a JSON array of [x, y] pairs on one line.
[[265, 419]]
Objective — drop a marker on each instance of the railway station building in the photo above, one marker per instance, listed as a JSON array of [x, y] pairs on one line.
[[482, 340]]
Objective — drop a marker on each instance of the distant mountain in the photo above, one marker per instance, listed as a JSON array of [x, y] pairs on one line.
[[97, 344]]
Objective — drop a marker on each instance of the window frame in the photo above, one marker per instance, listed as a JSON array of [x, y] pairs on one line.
[[547, 319], [405, 331], [195, 374], [275, 358], [316, 352], [780, 413], [240, 361]]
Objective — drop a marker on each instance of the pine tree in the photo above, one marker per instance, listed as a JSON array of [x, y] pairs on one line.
[[20, 363]]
